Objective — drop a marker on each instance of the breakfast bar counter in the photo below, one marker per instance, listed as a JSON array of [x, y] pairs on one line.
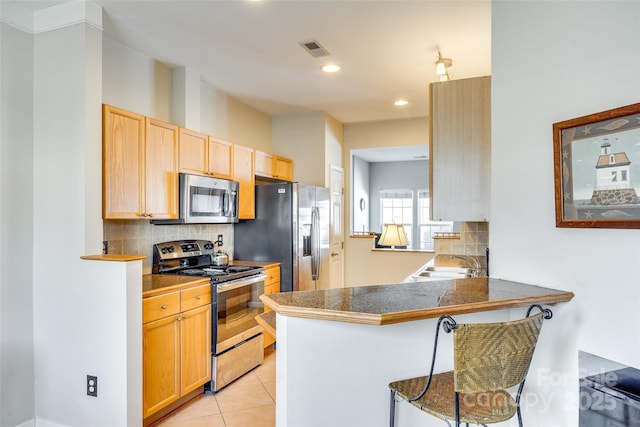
[[403, 302], [338, 349]]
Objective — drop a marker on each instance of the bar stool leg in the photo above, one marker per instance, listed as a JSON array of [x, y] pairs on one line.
[[392, 409]]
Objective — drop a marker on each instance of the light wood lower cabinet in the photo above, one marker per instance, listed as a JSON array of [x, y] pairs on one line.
[[271, 286], [176, 337]]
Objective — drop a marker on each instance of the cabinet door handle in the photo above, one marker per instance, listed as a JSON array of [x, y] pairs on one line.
[[163, 306], [184, 316], [179, 318], [197, 296]]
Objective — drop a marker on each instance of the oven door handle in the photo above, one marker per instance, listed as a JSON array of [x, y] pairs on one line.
[[238, 283]]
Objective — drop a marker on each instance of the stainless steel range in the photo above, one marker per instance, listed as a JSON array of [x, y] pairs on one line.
[[237, 341]]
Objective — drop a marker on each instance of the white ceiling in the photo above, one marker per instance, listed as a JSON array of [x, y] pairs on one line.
[[250, 49]]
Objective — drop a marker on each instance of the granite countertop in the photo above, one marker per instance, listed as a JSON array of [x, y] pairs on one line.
[[403, 302], [264, 264], [155, 284]]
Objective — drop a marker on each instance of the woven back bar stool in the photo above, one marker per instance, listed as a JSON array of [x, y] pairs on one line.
[[489, 358]]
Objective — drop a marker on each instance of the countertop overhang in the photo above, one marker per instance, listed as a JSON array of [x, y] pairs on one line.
[[404, 302]]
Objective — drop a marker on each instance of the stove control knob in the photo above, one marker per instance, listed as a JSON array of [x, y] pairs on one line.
[[167, 249]]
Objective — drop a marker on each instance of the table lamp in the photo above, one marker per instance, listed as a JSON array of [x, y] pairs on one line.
[[393, 235]]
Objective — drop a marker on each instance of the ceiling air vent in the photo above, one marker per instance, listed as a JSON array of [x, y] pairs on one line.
[[314, 48]]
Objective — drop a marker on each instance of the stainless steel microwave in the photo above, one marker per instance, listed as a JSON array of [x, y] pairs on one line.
[[205, 200]]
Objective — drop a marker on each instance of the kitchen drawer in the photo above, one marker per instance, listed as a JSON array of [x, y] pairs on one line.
[[273, 276], [195, 297], [154, 308], [239, 360]]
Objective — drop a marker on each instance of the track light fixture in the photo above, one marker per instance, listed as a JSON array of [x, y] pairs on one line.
[[441, 67]]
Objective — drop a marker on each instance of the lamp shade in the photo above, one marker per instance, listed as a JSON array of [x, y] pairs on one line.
[[393, 235]]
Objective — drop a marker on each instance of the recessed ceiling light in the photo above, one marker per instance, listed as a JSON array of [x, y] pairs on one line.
[[400, 102], [331, 68]]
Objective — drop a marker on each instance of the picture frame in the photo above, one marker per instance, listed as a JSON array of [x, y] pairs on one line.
[[597, 169]]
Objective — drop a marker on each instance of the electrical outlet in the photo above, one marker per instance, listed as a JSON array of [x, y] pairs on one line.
[[220, 239], [105, 247], [92, 386]]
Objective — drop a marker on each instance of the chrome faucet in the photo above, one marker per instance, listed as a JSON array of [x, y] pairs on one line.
[[476, 267]]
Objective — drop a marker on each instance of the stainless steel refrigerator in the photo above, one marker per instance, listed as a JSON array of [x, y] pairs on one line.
[[291, 227]]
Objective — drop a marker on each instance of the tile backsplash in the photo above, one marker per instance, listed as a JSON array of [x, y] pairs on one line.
[[133, 237], [473, 240]]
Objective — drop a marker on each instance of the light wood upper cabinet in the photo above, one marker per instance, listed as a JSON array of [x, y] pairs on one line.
[[264, 164], [201, 154], [272, 166], [161, 152], [460, 149], [282, 168], [139, 168], [220, 158], [193, 152], [243, 172]]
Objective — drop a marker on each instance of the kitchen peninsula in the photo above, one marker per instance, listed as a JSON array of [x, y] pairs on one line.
[[339, 348]]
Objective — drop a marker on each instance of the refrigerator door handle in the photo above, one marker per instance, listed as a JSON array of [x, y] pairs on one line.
[[315, 243]]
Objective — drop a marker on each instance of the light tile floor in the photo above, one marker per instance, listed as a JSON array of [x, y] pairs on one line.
[[248, 401]]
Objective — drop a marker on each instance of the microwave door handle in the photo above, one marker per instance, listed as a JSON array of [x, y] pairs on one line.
[[233, 203], [225, 203]]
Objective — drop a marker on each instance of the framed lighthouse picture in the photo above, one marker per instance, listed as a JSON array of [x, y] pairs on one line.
[[597, 169]]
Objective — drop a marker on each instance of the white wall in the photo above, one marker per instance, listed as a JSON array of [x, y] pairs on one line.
[[334, 138], [409, 175], [553, 61], [301, 137], [16, 227], [368, 267], [379, 134], [135, 82], [78, 316], [67, 319], [139, 83], [360, 190], [228, 118]]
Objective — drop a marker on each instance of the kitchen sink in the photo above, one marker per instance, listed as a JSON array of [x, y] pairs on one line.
[[435, 272], [455, 270]]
